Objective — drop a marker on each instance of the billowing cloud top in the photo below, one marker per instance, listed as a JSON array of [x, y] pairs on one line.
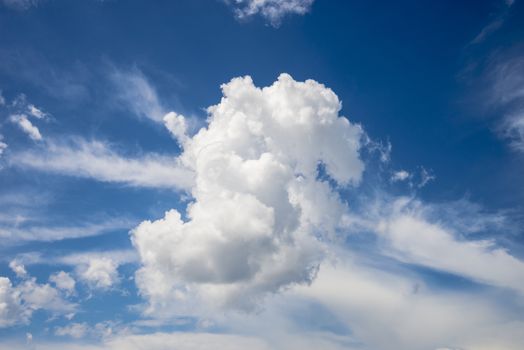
[[263, 201]]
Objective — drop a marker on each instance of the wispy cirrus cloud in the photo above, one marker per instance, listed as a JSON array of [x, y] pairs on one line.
[[20, 233], [495, 24], [137, 94], [97, 160], [507, 94], [410, 237]]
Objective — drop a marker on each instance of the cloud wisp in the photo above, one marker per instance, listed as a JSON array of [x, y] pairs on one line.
[[96, 160], [20, 233], [272, 10]]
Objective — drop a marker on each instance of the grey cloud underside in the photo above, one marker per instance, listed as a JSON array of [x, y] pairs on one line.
[[258, 204]]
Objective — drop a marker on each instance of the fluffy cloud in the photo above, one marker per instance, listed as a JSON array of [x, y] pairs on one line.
[[97, 269], [63, 281], [99, 272], [95, 159], [17, 268], [26, 126], [354, 305], [262, 197], [176, 124], [272, 10], [17, 303], [11, 310]]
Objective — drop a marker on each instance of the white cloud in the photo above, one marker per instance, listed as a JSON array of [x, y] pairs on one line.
[[17, 303], [101, 330], [63, 281], [272, 10], [355, 305], [26, 126], [20, 233], [400, 175], [11, 310], [97, 269], [36, 112], [74, 330], [95, 159], [383, 309], [2, 99], [259, 203], [156, 341], [176, 124], [137, 94], [99, 272], [18, 268], [411, 238]]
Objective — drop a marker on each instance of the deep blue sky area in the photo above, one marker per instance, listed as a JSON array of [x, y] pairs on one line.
[[440, 82], [395, 66]]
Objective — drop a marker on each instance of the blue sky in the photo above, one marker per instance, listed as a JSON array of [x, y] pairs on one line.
[[275, 174]]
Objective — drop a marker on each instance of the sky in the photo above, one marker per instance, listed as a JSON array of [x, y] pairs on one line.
[[262, 174]]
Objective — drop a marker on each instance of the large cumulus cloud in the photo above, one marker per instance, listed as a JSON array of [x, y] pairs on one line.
[[266, 171]]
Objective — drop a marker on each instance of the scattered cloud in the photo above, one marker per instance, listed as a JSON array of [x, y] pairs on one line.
[[355, 305], [26, 126], [18, 302], [81, 330], [99, 272], [259, 155], [36, 112], [400, 175], [272, 10], [74, 330], [96, 160], [63, 281], [18, 268]]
